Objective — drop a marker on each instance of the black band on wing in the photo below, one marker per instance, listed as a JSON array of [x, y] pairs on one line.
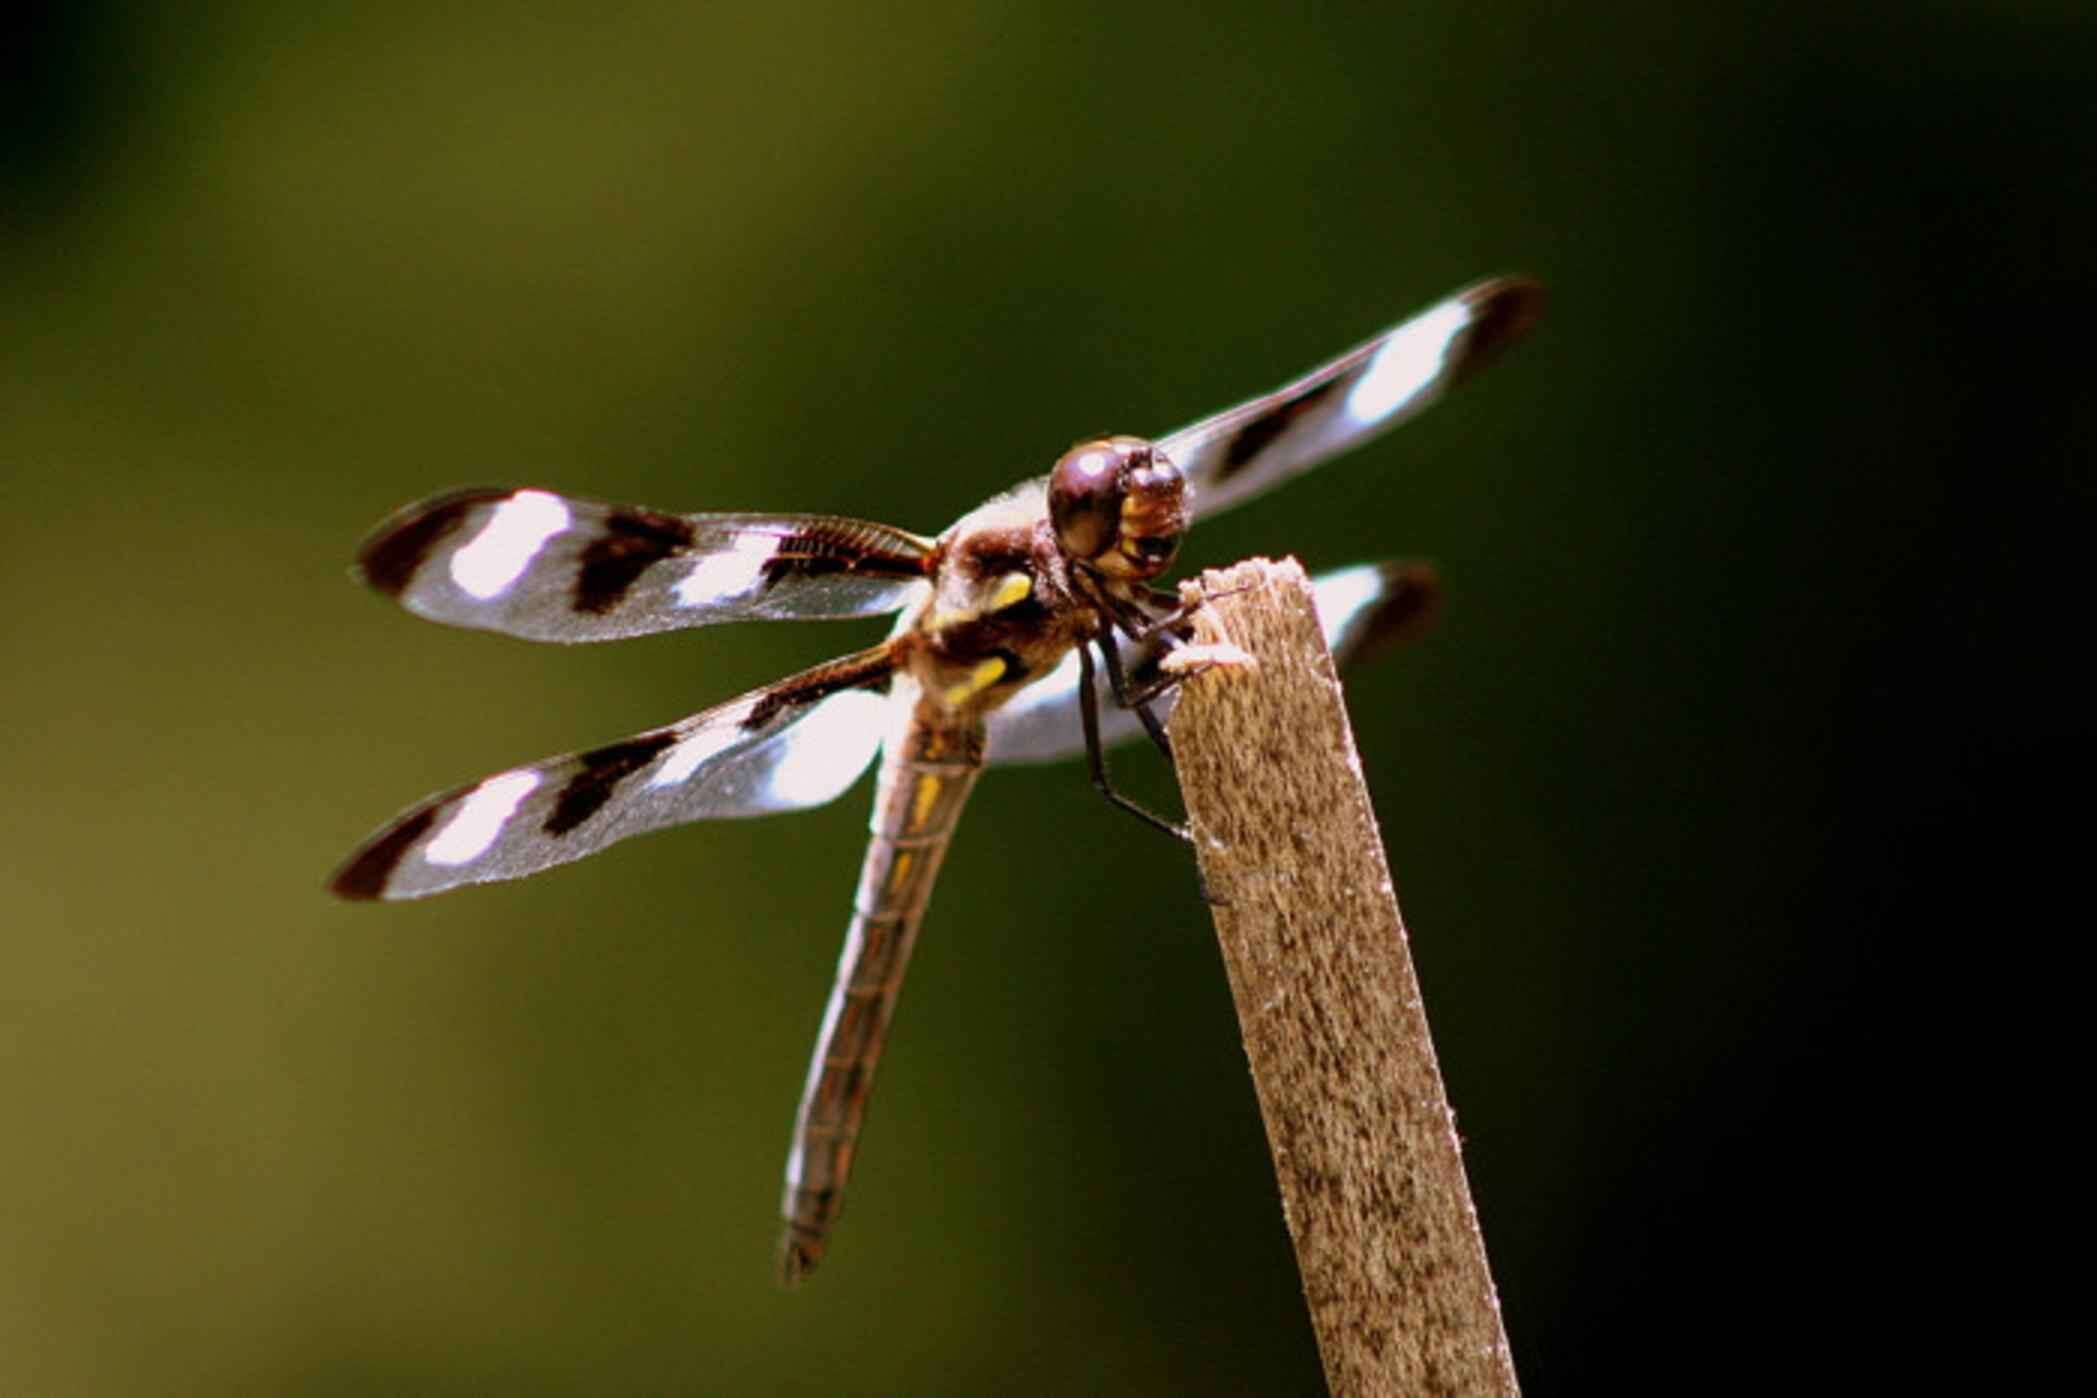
[[396, 551], [633, 542], [1506, 310], [603, 769], [367, 875], [868, 670], [1258, 434]]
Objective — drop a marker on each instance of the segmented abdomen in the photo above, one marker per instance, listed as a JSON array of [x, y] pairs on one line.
[[926, 775]]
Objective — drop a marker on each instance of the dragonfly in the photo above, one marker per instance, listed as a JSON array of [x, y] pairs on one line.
[[992, 662]]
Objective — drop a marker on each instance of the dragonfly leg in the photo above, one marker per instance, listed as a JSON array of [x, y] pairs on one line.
[[1168, 631], [1124, 697], [1095, 756], [1177, 611]]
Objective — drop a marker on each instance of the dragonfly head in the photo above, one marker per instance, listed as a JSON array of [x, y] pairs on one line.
[[1119, 507]]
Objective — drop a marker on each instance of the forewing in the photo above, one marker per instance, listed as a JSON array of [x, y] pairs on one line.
[[1361, 609], [1368, 390], [552, 568], [791, 745]]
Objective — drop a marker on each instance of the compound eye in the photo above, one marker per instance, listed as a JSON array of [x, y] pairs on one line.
[[1084, 496]]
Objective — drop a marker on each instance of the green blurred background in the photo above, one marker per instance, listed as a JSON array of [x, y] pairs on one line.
[[1721, 802]]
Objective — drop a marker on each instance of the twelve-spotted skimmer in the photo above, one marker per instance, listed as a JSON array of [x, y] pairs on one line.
[[991, 662]]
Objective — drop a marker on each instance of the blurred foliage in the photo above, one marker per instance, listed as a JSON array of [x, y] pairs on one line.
[[1720, 803]]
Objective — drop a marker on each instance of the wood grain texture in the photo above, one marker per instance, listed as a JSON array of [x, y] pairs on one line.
[[1365, 1147]]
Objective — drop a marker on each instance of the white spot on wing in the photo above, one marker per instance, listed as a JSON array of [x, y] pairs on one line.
[[507, 544], [826, 752], [486, 809], [1408, 364], [725, 575], [688, 754], [1342, 596]]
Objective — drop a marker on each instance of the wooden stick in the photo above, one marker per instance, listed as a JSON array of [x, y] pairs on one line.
[[1364, 1143]]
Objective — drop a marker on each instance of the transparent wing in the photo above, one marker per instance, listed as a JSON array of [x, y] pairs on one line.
[[552, 568], [791, 745], [1368, 390], [1361, 609]]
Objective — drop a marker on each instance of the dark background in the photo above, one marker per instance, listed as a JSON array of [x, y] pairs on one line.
[[1732, 805]]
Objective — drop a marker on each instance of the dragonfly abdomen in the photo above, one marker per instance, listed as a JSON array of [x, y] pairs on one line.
[[926, 775]]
